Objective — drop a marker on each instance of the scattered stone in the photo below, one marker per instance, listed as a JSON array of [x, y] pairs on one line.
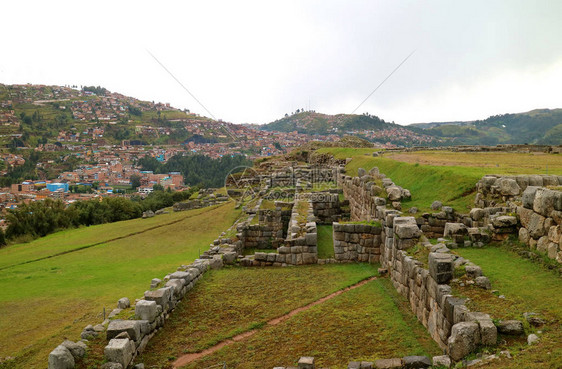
[[483, 282], [61, 358], [532, 338], [416, 362], [388, 363], [306, 362], [155, 282], [111, 366], [506, 353], [77, 349], [511, 327], [443, 360], [534, 320], [413, 210], [123, 303], [473, 271], [436, 205]]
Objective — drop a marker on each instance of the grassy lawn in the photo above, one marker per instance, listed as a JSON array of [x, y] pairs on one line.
[[56, 297], [72, 239], [527, 287], [367, 323], [325, 242], [445, 176]]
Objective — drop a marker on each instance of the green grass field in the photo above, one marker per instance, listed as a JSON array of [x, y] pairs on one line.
[[448, 177], [325, 242], [367, 323], [527, 287], [58, 296]]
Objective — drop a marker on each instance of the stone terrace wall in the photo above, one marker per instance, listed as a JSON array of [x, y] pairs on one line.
[[128, 338], [541, 221], [498, 189], [357, 242], [447, 319], [326, 206], [300, 246], [270, 230]]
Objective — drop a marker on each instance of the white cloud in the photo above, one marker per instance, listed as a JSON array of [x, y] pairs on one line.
[[253, 61]]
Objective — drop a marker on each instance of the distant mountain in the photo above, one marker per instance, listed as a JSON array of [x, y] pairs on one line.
[[318, 123], [540, 126], [365, 126]]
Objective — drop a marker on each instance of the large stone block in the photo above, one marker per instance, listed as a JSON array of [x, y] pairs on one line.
[[131, 327], [61, 358], [454, 229], [511, 327], [123, 303], [508, 186], [545, 201], [528, 197], [441, 267], [162, 296], [146, 310], [464, 339], [186, 276], [120, 350], [77, 349], [405, 231], [416, 362], [504, 221], [388, 363], [536, 225]]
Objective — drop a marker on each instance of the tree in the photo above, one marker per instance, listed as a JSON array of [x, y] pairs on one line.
[[2, 238], [135, 181], [158, 187]]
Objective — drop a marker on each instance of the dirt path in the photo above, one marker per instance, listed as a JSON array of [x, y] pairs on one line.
[[188, 358]]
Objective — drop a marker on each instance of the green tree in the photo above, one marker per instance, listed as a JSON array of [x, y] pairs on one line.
[[135, 181]]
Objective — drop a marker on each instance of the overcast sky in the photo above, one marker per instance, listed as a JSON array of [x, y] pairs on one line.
[[252, 62]]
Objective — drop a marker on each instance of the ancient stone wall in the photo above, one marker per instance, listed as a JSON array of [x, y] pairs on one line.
[[127, 338], [300, 246], [541, 221], [500, 189], [357, 242], [447, 319], [326, 206]]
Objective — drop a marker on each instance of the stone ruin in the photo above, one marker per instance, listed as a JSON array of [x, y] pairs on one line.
[[374, 231]]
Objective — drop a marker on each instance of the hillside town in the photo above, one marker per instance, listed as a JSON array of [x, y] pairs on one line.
[[88, 141]]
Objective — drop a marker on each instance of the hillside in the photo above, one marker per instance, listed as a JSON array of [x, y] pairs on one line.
[[33, 115], [540, 126], [365, 126]]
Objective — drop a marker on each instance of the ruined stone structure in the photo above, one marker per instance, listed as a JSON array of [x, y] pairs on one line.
[[377, 232], [357, 242]]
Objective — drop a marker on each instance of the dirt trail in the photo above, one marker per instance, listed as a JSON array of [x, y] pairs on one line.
[[189, 358]]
